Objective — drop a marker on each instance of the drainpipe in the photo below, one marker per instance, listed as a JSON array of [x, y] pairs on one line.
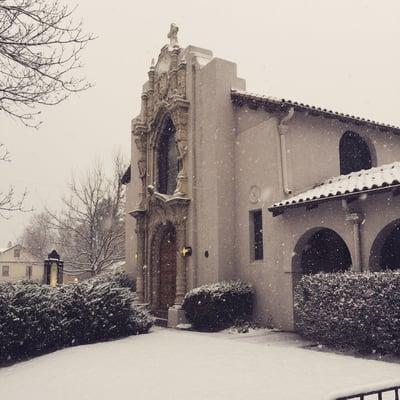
[[194, 173], [282, 141], [356, 219]]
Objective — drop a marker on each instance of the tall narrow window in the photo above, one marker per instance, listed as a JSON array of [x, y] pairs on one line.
[[167, 162], [17, 252], [256, 235], [29, 272], [354, 153]]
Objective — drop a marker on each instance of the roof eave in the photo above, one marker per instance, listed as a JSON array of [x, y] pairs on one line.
[[271, 105], [310, 204]]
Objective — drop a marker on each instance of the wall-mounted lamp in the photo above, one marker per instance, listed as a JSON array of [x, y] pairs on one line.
[[186, 251]]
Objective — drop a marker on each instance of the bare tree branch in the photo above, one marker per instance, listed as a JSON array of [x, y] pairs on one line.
[[40, 50]]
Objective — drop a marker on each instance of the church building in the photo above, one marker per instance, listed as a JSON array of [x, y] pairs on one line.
[[225, 184]]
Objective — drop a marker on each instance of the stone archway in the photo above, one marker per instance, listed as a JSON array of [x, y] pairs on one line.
[[385, 251], [321, 250], [318, 250]]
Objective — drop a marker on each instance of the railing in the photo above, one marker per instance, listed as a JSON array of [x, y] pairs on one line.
[[390, 393]]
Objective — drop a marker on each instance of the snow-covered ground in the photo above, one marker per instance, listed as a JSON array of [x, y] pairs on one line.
[[173, 365]]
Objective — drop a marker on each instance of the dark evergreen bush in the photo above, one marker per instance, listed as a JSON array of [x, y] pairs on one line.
[[219, 305], [360, 311], [35, 319], [119, 276]]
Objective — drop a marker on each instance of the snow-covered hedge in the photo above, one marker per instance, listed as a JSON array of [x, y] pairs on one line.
[[119, 276], [35, 319], [219, 305], [360, 311]]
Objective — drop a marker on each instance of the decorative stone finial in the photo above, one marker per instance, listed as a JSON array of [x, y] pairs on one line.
[[151, 189], [173, 35]]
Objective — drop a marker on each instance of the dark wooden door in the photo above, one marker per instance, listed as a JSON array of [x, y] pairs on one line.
[[168, 269]]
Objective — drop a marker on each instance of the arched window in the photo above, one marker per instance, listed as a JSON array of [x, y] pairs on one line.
[[167, 162], [354, 153]]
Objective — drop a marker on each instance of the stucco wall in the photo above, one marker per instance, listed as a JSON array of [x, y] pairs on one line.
[[215, 176], [312, 145], [317, 139]]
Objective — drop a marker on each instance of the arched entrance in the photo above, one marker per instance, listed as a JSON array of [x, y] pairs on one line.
[[318, 250], [163, 268], [321, 250], [385, 252]]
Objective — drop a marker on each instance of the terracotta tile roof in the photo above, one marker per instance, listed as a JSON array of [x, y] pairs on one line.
[[240, 97], [364, 181]]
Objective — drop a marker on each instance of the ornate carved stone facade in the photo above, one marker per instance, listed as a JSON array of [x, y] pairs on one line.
[[164, 96]]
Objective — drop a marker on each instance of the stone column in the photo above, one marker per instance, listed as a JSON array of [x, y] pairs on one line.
[[141, 144], [180, 264], [140, 256], [356, 219]]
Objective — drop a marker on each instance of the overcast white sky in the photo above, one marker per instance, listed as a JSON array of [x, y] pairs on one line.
[[342, 54]]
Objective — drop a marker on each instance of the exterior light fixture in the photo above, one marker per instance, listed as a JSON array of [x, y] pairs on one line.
[[186, 251]]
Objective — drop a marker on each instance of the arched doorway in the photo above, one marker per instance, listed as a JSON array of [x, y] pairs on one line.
[[322, 250], [163, 269], [385, 252]]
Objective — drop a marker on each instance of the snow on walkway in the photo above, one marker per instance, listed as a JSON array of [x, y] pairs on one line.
[[173, 365]]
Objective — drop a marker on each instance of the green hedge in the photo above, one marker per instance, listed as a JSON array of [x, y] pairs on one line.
[[35, 319], [219, 305], [360, 311]]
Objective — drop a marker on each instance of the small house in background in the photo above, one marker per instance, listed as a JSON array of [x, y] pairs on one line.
[[16, 263]]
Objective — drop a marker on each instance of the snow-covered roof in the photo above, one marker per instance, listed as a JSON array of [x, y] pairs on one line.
[[241, 97], [375, 179], [9, 248]]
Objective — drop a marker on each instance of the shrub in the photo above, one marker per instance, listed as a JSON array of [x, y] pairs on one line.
[[219, 305], [352, 310], [35, 319], [119, 276]]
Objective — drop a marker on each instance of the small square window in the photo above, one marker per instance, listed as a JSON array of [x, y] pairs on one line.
[[256, 235], [5, 270], [17, 253]]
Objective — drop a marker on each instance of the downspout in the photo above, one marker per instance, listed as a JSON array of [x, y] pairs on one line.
[[194, 172], [282, 142]]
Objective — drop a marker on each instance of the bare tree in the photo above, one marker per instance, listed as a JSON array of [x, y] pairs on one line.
[[40, 48], [90, 228], [8, 202], [39, 237]]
